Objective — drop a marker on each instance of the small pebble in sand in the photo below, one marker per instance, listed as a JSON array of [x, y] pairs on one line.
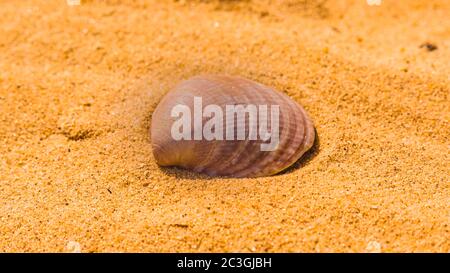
[[73, 247], [429, 46], [373, 247]]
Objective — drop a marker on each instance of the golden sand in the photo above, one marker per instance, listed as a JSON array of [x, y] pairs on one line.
[[78, 86]]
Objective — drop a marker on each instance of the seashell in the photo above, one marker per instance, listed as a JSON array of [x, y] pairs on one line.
[[229, 155]]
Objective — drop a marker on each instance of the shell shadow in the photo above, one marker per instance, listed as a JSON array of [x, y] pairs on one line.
[[180, 173]]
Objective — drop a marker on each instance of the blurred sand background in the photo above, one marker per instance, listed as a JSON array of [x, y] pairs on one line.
[[78, 86]]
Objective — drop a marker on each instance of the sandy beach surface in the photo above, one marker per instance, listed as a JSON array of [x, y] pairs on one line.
[[78, 85]]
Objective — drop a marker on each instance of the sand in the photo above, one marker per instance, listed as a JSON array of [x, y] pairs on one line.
[[78, 86]]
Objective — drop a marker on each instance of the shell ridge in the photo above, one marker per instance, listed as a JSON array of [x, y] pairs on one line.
[[283, 138], [298, 126], [246, 144], [267, 96], [198, 145], [219, 146]]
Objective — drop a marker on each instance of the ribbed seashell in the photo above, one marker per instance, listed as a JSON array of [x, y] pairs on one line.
[[233, 158]]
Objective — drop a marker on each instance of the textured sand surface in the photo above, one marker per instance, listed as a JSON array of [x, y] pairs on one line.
[[78, 86]]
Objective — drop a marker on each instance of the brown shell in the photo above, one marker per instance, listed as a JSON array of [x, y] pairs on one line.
[[234, 158]]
